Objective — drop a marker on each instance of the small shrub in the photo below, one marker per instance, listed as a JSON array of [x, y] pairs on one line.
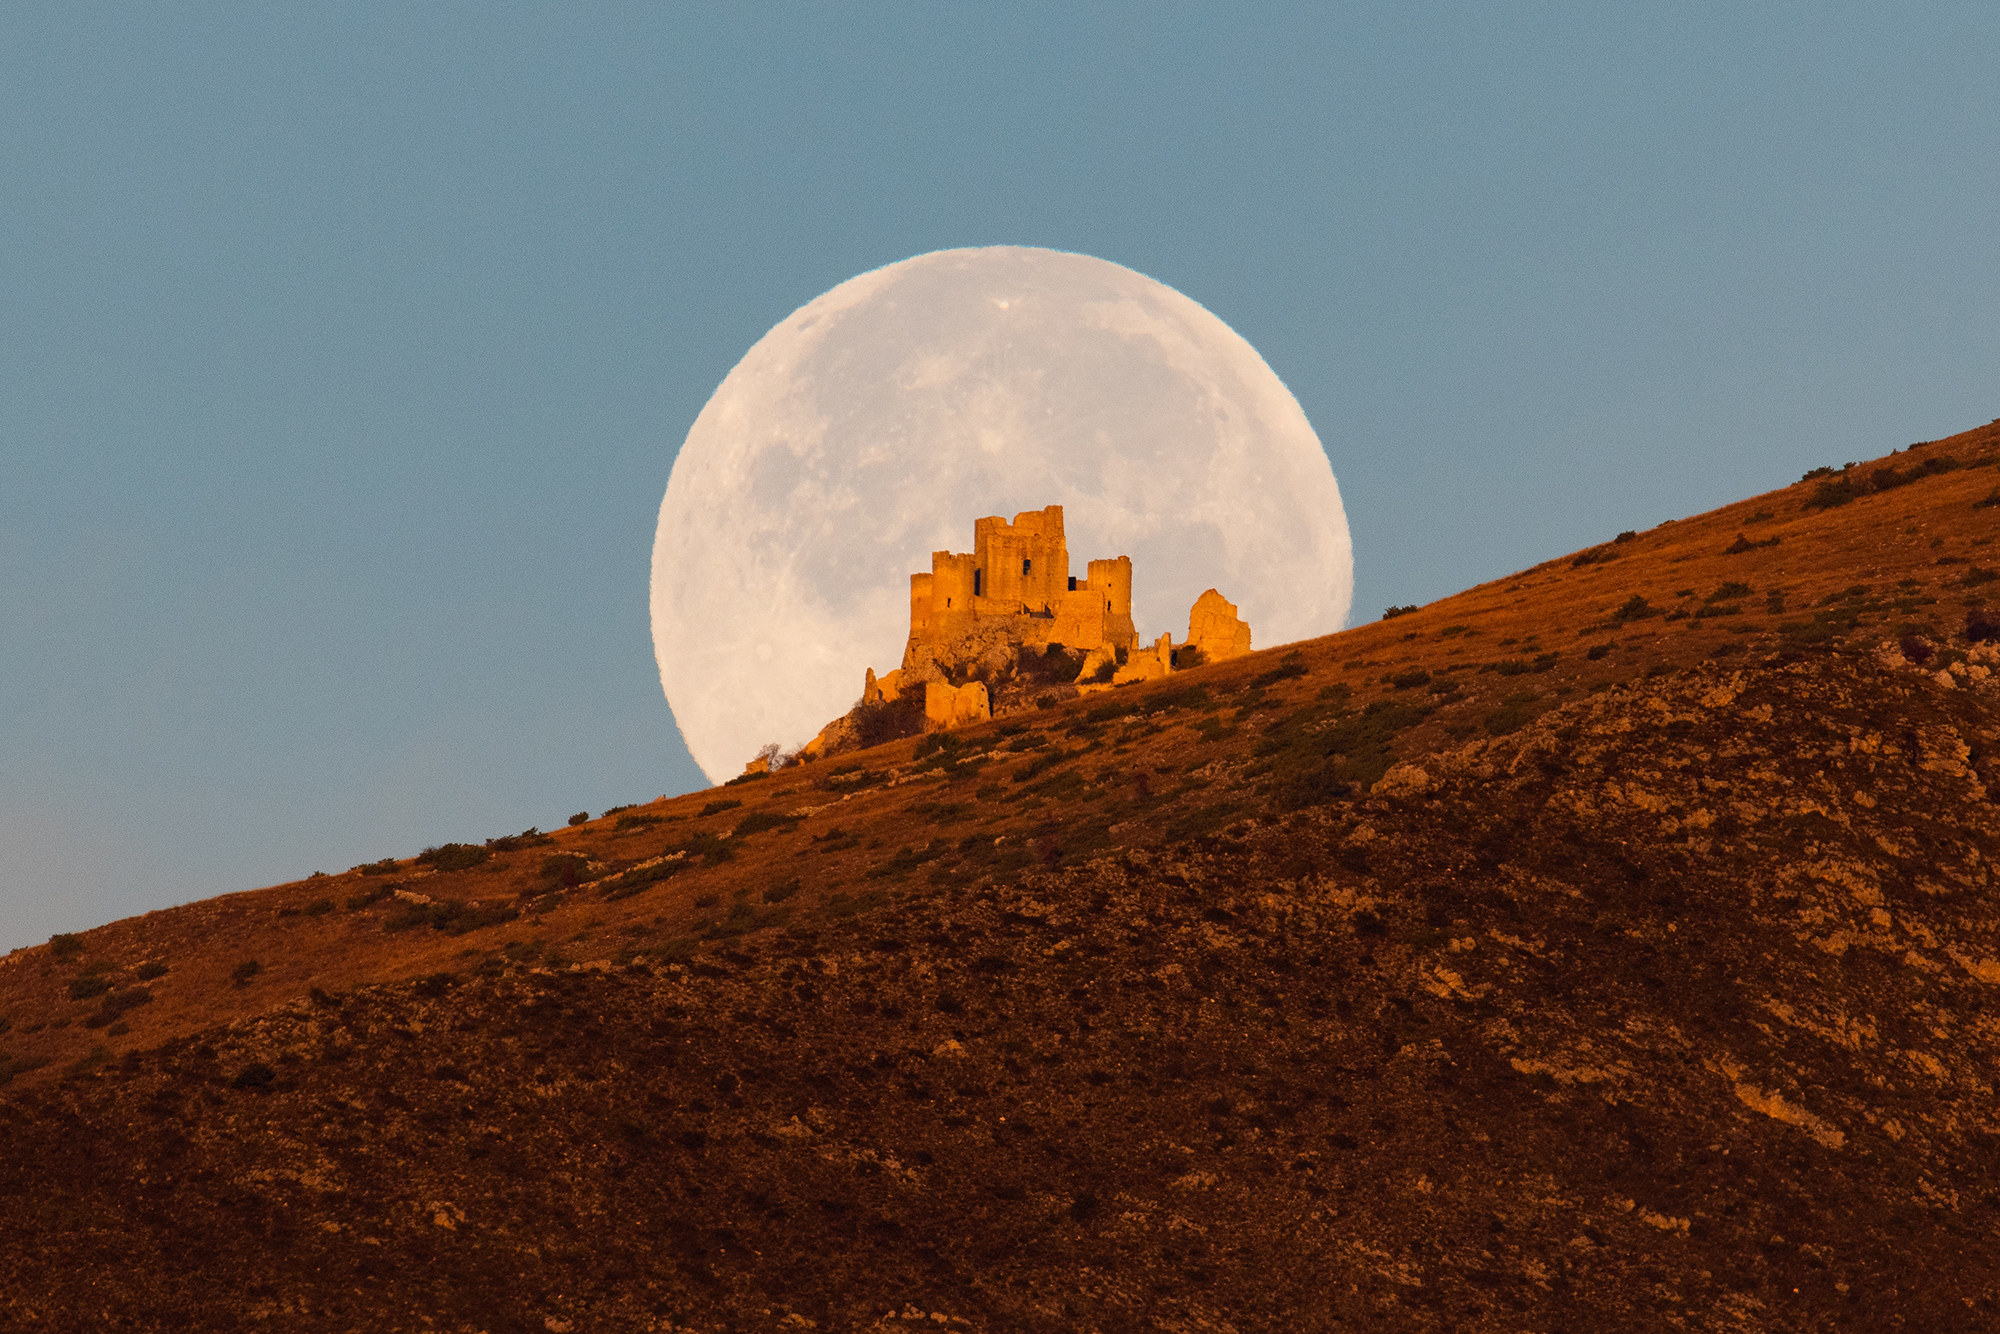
[[1743, 544], [1627, 536], [1391, 613], [531, 837], [781, 891], [387, 866], [1411, 679], [255, 1075], [877, 721], [639, 878], [1515, 712], [1213, 728], [243, 972], [566, 870], [908, 859], [65, 945], [758, 821], [1634, 608], [116, 1004], [719, 805], [1851, 484], [1541, 662], [1982, 626], [1038, 766], [1992, 500], [447, 915], [1977, 575], [1290, 669], [1832, 493], [318, 908], [86, 988], [581, 817], [610, 811], [1187, 697], [454, 856], [11, 1066], [625, 822], [712, 850], [1597, 651], [369, 897], [1818, 473], [1054, 665], [1594, 556]]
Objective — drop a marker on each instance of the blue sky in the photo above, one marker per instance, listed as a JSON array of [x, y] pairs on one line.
[[344, 350]]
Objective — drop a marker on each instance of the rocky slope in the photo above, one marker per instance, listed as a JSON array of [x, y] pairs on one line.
[[1611, 946]]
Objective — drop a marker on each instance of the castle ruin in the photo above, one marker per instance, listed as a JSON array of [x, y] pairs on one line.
[[976, 616]]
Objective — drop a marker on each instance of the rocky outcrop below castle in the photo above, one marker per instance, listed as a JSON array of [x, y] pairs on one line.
[[1007, 629]]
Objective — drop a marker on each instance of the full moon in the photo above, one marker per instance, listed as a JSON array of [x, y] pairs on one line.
[[873, 425]]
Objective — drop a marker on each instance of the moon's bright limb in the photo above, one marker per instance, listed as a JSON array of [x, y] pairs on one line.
[[873, 425]]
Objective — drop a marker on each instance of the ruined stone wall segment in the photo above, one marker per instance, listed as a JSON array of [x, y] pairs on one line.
[[1081, 619], [951, 596], [1049, 579], [920, 607], [1115, 578], [1213, 628], [1150, 664]]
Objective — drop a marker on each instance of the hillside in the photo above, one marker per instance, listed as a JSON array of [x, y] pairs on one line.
[[1611, 945]]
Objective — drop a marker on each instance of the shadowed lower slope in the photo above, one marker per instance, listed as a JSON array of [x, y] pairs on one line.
[[1449, 973]]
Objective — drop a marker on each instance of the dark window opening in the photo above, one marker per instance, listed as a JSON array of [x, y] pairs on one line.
[[977, 580], [1026, 565], [1072, 583]]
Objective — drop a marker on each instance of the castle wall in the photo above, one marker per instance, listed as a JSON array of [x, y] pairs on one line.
[[951, 611], [1214, 629], [1023, 564], [1080, 619], [1152, 663], [1114, 577], [920, 607]]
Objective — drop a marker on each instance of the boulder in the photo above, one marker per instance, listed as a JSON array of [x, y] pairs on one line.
[[947, 705]]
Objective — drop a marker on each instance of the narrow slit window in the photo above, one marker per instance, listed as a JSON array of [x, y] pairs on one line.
[[978, 578], [1027, 565]]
